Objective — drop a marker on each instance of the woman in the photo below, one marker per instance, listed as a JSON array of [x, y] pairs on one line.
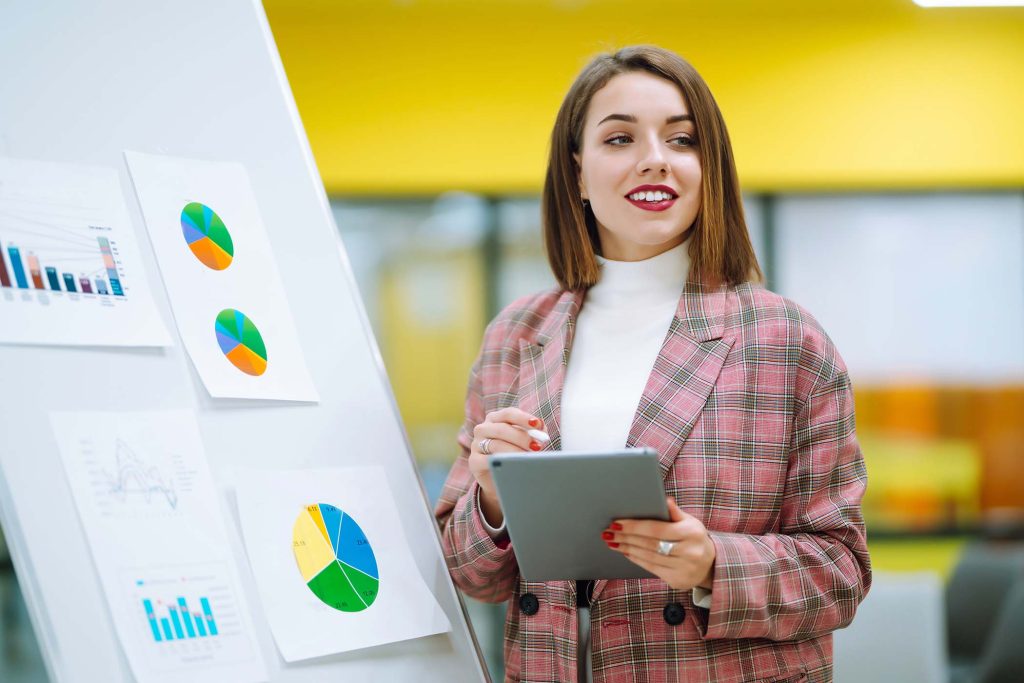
[[745, 399]]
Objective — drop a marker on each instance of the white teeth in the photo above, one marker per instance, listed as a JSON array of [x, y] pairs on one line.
[[656, 196]]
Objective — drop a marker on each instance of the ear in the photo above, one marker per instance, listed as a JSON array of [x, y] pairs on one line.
[[579, 174]]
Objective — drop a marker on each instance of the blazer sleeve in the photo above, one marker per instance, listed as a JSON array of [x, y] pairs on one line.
[[482, 566], [808, 579]]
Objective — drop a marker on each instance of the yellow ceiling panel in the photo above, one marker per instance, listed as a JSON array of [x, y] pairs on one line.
[[424, 96]]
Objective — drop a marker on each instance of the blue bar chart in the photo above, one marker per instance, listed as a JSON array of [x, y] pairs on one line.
[[181, 622], [93, 280], [70, 267], [184, 607], [183, 613]]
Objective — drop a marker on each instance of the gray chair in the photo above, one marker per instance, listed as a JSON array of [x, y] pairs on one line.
[[898, 633], [1003, 659], [975, 596]]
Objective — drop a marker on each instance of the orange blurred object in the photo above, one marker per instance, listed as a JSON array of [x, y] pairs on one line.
[[943, 456]]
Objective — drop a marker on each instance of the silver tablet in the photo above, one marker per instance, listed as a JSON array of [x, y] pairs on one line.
[[557, 503]]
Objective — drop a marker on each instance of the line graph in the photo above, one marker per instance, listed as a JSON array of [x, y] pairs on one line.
[[130, 478], [134, 477]]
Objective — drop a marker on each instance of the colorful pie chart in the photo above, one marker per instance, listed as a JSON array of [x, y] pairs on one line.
[[241, 342], [335, 559], [207, 236]]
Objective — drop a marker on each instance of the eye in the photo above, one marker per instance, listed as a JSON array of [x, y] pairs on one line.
[[612, 140], [687, 141]]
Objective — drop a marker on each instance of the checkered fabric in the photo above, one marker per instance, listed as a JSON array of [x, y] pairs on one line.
[[750, 409]]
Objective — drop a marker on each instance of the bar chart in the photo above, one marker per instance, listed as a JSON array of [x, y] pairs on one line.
[[101, 278], [188, 602], [181, 614], [181, 621], [70, 267]]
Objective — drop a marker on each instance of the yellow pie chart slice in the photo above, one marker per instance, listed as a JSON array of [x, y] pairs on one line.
[[313, 551]]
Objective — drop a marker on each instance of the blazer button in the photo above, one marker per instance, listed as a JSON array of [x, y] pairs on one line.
[[529, 604], [673, 614]]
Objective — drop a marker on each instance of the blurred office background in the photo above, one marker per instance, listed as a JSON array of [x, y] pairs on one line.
[[881, 153]]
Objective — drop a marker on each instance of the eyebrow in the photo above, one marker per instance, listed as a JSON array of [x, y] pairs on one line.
[[629, 118]]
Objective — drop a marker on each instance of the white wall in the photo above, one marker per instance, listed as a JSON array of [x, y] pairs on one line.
[[926, 287]]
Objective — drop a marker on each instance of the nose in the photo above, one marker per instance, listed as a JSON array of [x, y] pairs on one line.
[[652, 159]]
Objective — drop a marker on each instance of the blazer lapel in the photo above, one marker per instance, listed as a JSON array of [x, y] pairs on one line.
[[683, 376], [542, 364], [684, 373]]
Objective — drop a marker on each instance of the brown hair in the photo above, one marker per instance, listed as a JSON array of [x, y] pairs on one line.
[[720, 248]]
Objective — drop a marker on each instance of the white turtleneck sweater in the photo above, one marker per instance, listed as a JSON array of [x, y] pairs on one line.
[[619, 331]]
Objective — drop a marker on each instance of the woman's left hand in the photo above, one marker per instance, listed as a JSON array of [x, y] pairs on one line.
[[692, 560]]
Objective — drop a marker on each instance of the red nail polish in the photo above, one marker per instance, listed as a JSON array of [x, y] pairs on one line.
[[607, 535], [534, 422], [534, 446], [612, 545], [616, 526]]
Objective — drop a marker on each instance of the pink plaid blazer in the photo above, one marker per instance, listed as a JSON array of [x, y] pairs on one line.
[[750, 409]]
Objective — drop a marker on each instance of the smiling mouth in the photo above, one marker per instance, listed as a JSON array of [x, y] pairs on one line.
[[660, 202], [651, 196]]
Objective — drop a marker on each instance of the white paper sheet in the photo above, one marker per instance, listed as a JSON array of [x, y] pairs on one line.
[[70, 270], [356, 585], [224, 266], [151, 515]]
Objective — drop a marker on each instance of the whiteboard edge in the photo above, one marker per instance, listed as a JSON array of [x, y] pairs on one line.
[[325, 208]]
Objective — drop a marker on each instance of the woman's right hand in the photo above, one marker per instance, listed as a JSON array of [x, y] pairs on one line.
[[506, 429]]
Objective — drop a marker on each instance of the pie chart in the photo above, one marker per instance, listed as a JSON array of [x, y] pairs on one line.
[[241, 342], [207, 236], [335, 559]]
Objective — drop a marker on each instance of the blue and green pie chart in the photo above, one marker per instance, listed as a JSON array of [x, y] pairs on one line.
[[207, 236], [241, 342], [335, 558]]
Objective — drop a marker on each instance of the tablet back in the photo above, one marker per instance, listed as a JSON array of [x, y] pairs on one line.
[[556, 505]]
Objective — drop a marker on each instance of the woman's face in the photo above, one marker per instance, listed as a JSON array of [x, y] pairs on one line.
[[638, 133]]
